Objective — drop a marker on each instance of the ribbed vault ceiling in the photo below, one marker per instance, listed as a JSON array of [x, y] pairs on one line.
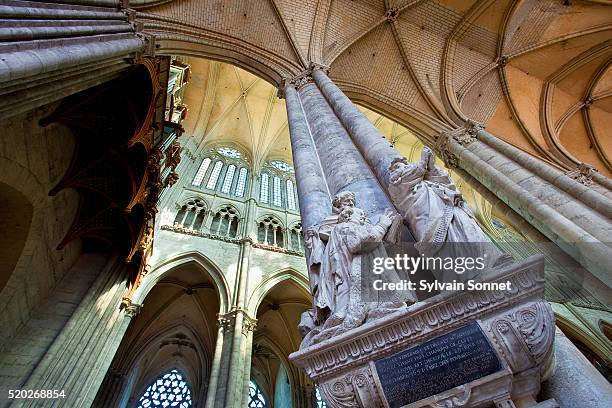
[[537, 73]]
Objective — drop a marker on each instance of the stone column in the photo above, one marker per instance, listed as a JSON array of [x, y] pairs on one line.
[[313, 193], [371, 143], [343, 166], [216, 366], [575, 382], [42, 63], [234, 361], [78, 359], [579, 229]]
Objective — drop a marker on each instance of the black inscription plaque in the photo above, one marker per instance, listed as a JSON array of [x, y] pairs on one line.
[[437, 365]]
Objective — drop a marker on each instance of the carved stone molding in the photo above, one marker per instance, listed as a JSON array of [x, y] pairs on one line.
[[250, 240], [517, 322], [356, 389]]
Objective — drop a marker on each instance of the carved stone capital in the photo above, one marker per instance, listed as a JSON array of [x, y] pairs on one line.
[[442, 149], [301, 79], [583, 174], [228, 320], [129, 308], [472, 127]]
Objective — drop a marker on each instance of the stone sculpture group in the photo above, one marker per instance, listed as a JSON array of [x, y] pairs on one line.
[[431, 207]]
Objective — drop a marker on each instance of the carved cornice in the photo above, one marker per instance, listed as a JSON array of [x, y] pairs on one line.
[[250, 240]]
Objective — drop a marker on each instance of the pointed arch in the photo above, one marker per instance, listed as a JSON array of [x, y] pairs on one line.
[[265, 286], [196, 258]]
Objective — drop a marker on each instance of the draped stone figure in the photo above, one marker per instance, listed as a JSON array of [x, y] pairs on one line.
[[336, 251], [438, 216]]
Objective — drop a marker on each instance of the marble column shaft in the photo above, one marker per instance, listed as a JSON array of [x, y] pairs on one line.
[[215, 369], [343, 166], [573, 226], [376, 150], [313, 194], [575, 382], [46, 61]]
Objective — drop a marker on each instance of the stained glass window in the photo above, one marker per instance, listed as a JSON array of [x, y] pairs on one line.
[[281, 165], [276, 191], [256, 398], [319, 403], [290, 195], [197, 180], [169, 390], [229, 152], [214, 176], [263, 190], [229, 177], [241, 184]]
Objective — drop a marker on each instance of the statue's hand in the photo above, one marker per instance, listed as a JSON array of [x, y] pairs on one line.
[[311, 232], [388, 217]]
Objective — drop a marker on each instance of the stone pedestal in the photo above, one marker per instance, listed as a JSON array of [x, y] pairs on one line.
[[457, 349]]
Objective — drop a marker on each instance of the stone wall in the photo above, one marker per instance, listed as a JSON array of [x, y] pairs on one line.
[[32, 161]]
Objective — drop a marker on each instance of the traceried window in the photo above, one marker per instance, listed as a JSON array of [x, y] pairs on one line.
[[276, 192], [319, 403], [241, 184], [229, 152], [214, 176], [282, 166], [263, 189], [290, 195], [169, 390], [256, 398], [197, 180], [229, 177]]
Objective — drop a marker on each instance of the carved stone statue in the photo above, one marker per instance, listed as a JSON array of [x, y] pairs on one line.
[[437, 214], [335, 251]]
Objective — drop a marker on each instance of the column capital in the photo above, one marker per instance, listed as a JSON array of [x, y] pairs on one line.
[[229, 319], [464, 135], [301, 79], [583, 173], [129, 308]]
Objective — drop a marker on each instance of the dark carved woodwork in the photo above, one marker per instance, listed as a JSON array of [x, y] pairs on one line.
[[117, 163]]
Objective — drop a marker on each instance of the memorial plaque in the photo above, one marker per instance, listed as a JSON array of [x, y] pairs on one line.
[[442, 363]]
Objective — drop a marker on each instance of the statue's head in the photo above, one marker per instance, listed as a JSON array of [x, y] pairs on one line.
[[352, 214], [397, 163], [342, 200]]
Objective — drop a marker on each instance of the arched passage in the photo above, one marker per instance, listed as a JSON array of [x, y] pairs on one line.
[[176, 329], [282, 300]]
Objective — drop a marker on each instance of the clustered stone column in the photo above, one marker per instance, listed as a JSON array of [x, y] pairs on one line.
[[78, 359], [45, 61], [336, 148], [231, 367], [326, 159], [573, 212]]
